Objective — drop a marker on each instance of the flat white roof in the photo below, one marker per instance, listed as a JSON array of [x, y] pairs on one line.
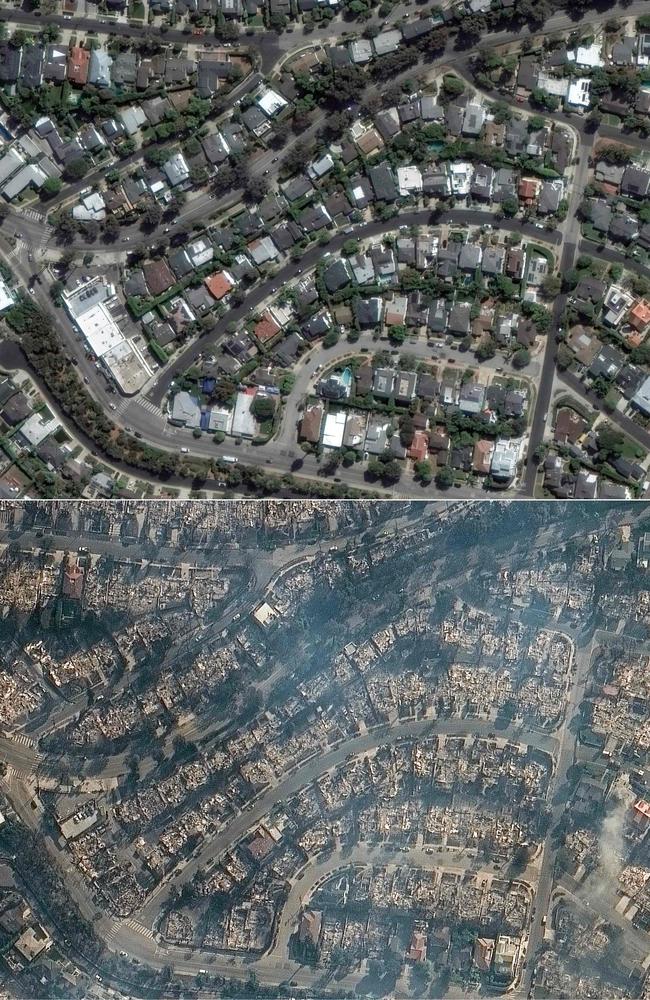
[[578, 94], [37, 427], [271, 103], [127, 367], [409, 179], [99, 329], [334, 429], [243, 421]]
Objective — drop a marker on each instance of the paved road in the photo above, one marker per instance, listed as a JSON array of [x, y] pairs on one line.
[[545, 386], [633, 430], [564, 760], [276, 456], [451, 859], [131, 936]]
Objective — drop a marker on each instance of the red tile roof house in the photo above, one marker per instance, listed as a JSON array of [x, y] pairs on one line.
[[266, 329], [419, 448], [528, 189], [78, 63], [73, 582], [639, 315], [418, 947], [219, 284], [482, 457]]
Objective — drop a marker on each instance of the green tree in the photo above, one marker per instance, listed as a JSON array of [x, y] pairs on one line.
[[424, 471], [444, 478], [50, 187], [263, 408], [76, 169], [452, 86]]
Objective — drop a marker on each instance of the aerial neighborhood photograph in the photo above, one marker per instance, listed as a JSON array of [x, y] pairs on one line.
[[324, 482], [324, 249], [324, 749]]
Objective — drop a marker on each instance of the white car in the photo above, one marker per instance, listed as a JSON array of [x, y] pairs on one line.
[[185, 451]]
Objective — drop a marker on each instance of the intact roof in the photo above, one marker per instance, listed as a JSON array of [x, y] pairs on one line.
[[297, 188], [78, 63], [459, 317], [310, 425], [158, 276], [635, 181], [10, 60], [337, 275], [383, 182], [219, 284]]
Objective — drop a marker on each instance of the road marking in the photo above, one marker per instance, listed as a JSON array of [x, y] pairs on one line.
[[138, 928], [26, 741], [146, 404], [31, 213]]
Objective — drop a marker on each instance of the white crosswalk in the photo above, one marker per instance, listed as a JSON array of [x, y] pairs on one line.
[[138, 928], [19, 774], [148, 405], [22, 248], [24, 740], [32, 214], [19, 248]]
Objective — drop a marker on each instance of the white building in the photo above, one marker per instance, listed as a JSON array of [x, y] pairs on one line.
[[461, 177], [6, 296], [409, 180], [505, 458], [176, 169], [271, 103], [586, 56], [360, 50], [91, 207], [244, 423], [318, 168], [37, 427], [578, 93], [334, 429], [89, 308]]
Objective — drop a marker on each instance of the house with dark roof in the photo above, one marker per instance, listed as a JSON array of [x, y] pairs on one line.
[[416, 28], [437, 318], [367, 312], [460, 318], [383, 182], [158, 276], [313, 218], [337, 275], [311, 423], [317, 325], [623, 228], [124, 70], [607, 363], [635, 182], [31, 67], [297, 187], [55, 64], [10, 60], [600, 214]]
